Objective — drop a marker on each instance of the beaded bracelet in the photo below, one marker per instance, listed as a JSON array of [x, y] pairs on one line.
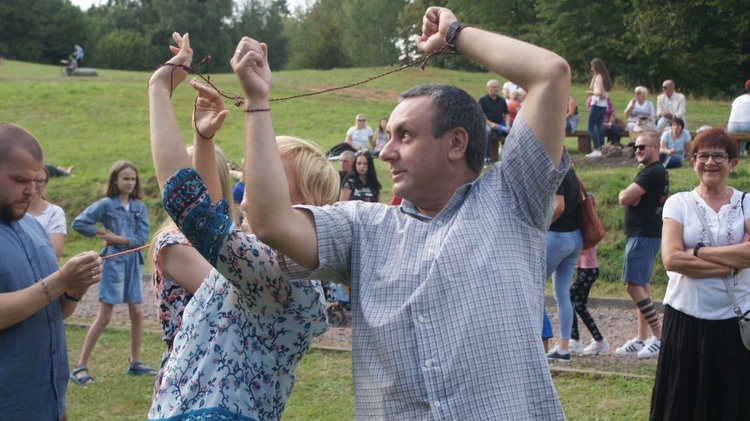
[[46, 290]]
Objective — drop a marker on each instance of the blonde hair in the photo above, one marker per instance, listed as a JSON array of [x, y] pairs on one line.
[[317, 182], [641, 90], [226, 193]]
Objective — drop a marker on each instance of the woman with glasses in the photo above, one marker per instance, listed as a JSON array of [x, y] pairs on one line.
[[359, 135], [703, 366], [673, 144], [51, 216]]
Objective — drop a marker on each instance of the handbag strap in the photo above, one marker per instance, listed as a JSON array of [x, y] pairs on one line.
[[711, 242]]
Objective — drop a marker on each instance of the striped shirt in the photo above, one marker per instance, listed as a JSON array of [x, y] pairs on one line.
[[447, 311]]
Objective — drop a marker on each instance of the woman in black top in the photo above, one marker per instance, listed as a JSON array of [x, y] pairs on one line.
[[362, 182]]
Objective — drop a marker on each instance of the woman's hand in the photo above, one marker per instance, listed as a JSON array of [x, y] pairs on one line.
[[170, 76], [209, 113], [250, 65]]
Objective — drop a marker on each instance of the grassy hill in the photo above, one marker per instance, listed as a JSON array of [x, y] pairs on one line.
[[91, 122]]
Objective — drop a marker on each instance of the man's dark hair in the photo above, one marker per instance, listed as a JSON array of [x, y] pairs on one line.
[[14, 137], [455, 108]]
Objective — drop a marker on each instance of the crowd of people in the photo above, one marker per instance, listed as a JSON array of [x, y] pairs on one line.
[[238, 287]]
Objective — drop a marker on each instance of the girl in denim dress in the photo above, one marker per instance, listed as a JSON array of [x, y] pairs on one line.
[[124, 225]]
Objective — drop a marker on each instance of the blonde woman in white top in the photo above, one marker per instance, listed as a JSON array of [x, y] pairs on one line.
[[599, 91]]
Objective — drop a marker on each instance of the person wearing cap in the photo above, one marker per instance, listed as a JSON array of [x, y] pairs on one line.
[[669, 105], [739, 117]]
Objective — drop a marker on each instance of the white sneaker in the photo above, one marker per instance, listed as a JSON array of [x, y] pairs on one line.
[[596, 348], [595, 154], [631, 347], [651, 349], [575, 346]]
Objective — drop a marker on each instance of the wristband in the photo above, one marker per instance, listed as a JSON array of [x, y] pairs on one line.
[[451, 35], [71, 298], [696, 248]]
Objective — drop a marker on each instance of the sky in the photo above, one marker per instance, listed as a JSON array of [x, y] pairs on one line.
[[85, 4]]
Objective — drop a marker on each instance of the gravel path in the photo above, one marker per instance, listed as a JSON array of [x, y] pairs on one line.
[[616, 320]]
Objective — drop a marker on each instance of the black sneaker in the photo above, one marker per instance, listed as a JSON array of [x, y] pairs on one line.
[[557, 355]]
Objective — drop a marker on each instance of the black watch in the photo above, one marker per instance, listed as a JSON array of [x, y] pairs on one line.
[[451, 35], [696, 248]]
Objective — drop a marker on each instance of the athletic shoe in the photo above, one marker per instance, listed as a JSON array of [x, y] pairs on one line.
[[596, 348], [595, 154], [631, 347], [575, 346], [651, 348], [558, 355]]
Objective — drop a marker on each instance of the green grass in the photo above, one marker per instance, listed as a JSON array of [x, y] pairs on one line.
[[91, 122], [324, 386]]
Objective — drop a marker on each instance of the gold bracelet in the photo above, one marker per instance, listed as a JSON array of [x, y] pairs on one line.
[[46, 290]]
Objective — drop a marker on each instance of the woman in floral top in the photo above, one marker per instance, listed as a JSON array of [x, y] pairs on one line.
[[247, 326], [179, 269]]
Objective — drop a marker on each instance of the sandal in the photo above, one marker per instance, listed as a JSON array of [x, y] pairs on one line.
[[138, 369], [83, 380]]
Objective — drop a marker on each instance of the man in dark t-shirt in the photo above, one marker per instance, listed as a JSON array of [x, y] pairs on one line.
[[642, 201], [495, 111]]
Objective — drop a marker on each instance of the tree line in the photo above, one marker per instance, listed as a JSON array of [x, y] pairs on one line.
[[704, 45]]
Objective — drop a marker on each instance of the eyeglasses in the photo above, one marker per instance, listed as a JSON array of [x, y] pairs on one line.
[[641, 147], [664, 87], [718, 157], [360, 119]]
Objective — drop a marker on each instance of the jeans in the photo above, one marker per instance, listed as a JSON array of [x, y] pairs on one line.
[[501, 130], [563, 249], [595, 125]]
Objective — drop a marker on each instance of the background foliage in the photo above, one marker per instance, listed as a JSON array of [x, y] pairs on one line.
[[704, 45]]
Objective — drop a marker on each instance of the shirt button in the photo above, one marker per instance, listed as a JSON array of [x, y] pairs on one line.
[[420, 318], [440, 223], [437, 404], [428, 363]]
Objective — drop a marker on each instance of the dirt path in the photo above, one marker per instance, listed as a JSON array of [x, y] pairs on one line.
[[616, 320]]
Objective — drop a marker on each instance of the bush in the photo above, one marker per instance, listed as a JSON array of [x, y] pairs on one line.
[[125, 50]]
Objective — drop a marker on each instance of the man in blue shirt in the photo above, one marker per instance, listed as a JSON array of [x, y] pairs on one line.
[[34, 295]]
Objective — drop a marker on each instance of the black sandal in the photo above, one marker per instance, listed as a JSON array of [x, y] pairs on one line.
[[82, 380]]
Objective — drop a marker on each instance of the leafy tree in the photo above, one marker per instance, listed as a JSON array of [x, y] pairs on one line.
[[316, 38], [263, 20], [123, 49], [370, 31]]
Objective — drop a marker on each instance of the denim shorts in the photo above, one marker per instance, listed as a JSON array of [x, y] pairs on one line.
[[121, 281], [640, 253]]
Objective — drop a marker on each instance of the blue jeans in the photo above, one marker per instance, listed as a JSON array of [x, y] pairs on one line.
[[563, 249], [501, 130], [595, 125]]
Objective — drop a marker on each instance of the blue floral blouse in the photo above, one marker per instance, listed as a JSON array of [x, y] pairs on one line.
[[245, 329]]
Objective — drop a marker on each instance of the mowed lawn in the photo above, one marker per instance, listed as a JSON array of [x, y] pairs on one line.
[[323, 390]]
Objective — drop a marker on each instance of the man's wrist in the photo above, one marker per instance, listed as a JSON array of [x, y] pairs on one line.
[[451, 35]]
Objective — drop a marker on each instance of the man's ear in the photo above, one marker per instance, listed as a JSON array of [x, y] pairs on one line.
[[459, 140]]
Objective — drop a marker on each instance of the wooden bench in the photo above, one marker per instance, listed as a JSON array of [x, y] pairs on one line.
[[584, 140]]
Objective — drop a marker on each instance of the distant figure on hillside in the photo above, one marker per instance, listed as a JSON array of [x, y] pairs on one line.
[[509, 87], [673, 144], [381, 137], [495, 109], [78, 53], [72, 65], [739, 117], [669, 106], [362, 181], [571, 119], [346, 163]]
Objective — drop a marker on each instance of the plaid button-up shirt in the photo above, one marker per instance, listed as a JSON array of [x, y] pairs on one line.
[[447, 311]]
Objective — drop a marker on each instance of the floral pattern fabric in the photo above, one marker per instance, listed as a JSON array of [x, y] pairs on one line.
[[245, 329]]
